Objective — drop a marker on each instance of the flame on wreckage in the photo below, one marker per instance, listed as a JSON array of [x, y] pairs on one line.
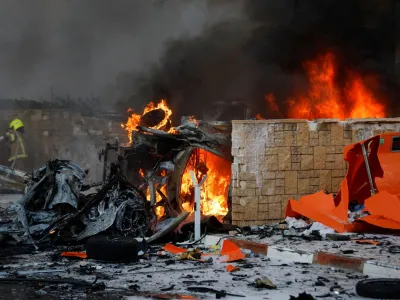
[[54, 206]]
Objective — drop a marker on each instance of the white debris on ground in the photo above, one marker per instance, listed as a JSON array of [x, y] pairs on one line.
[[153, 275], [365, 251], [296, 223], [321, 228]]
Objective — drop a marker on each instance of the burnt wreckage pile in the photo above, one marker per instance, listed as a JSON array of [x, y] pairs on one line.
[[58, 206]]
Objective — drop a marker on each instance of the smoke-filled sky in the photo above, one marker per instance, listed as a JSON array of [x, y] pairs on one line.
[[195, 53], [80, 47]]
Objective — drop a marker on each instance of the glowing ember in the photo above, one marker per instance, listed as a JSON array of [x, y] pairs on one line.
[[214, 192], [325, 98], [134, 119]]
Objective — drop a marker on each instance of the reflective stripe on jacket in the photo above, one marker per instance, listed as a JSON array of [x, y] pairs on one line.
[[17, 146]]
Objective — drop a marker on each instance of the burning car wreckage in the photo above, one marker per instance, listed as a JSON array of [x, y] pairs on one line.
[[58, 206]]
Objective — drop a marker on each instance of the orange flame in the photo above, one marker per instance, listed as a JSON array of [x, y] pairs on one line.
[[214, 191], [134, 119], [325, 99]]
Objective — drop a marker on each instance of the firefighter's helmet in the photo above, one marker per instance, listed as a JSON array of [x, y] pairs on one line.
[[16, 124]]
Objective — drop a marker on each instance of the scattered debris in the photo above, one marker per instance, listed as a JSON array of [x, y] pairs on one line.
[[263, 283], [218, 293], [302, 296], [82, 255], [231, 268], [370, 242]]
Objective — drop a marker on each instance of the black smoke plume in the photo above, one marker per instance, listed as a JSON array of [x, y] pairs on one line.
[[242, 61]]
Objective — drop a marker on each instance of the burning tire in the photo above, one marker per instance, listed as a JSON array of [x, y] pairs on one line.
[[112, 248], [379, 288]]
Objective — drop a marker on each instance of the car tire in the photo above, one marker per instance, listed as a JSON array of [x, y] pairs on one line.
[[382, 288], [112, 248]]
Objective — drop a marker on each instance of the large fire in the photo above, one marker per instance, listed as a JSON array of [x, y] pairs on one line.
[[214, 192], [326, 99]]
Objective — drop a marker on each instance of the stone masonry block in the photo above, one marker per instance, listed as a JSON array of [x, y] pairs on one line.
[[290, 126], [237, 216], [238, 208], [314, 142], [347, 142], [289, 138], [340, 163], [337, 134], [268, 175], [270, 163], [339, 149], [304, 186], [265, 191], [296, 166], [279, 142], [339, 173], [251, 211], [275, 211], [303, 174], [248, 184], [330, 165], [271, 150], [307, 150], [291, 182], [323, 126], [324, 138], [263, 207], [330, 150], [336, 183], [247, 192], [284, 205], [275, 199], [314, 189], [325, 180], [262, 216], [320, 154], [302, 135], [314, 135], [279, 182], [284, 158], [347, 134], [279, 190], [296, 158], [307, 162], [263, 200], [278, 134], [235, 200], [295, 150], [280, 174], [330, 157]]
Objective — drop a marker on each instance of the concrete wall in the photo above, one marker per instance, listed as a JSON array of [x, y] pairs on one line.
[[64, 134], [275, 160]]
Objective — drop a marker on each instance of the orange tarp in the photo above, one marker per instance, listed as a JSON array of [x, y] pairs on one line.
[[383, 207]]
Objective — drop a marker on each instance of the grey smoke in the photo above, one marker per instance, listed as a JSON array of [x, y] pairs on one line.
[[79, 47]]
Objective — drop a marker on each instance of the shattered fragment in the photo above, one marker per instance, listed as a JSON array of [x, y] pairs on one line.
[[263, 283]]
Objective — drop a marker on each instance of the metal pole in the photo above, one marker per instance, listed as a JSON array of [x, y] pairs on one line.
[[371, 183], [197, 210]]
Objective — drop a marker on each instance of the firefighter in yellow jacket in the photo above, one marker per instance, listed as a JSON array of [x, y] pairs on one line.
[[15, 138]]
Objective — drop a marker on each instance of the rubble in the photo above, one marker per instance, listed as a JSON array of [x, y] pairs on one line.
[[54, 209]]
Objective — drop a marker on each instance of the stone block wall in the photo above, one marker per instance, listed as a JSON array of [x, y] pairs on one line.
[[64, 134], [276, 160]]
